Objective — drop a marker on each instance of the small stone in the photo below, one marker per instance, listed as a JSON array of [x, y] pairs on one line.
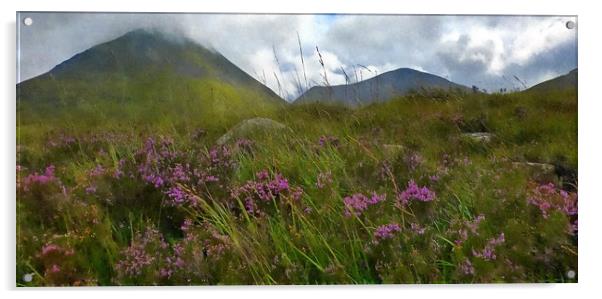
[[479, 136]]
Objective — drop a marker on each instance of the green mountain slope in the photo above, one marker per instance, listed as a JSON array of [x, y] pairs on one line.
[[564, 82], [144, 77]]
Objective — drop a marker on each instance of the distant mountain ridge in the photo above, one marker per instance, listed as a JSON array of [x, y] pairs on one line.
[[380, 88]]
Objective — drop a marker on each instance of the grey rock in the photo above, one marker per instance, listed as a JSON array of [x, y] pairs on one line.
[[539, 171], [479, 136], [542, 167], [248, 127]]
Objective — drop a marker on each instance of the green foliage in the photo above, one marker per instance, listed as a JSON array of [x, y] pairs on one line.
[[330, 153]]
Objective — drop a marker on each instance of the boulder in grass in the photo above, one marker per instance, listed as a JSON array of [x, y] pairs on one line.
[[543, 172], [250, 127], [479, 136]]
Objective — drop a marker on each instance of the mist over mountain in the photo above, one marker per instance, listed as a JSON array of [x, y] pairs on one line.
[[147, 68]]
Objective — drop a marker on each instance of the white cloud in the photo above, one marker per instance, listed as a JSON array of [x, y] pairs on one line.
[[469, 50]]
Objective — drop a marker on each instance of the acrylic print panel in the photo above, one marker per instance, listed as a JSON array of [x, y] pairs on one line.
[[206, 149]]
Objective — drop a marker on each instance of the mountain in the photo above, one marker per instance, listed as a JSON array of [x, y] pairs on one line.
[[379, 88], [144, 72], [564, 82]]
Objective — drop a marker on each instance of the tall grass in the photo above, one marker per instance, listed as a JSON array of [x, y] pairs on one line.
[[70, 235]]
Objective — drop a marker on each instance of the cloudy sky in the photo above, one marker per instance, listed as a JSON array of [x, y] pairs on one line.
[[486, 51]]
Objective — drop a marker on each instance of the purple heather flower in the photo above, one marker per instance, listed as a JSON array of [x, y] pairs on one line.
[[55, 268], [417, 229], [186, 225], [414, 192], [262, 175], [97, 171], [265, 190], [157, 181], [357, 203], [488, 253], [179, 173], [547, 197], [462, 236], [176, 195], [281, 183], [466, 267], [48, 248], [386, 231], [39, 179]]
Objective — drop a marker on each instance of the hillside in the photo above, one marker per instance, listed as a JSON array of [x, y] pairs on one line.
[[144, 70], [567, 81], [378, 89]]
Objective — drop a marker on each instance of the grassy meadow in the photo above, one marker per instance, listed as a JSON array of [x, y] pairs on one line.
[[114, 193]]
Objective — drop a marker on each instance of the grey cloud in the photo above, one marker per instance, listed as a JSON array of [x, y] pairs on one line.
[[381, 39], [464, 49]]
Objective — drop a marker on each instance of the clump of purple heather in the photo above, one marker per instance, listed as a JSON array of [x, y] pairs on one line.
[[173, 263], [488, 253], [547, 198], [58, 263], [413, 192], [97, 171], [50, 248], [357, 203], [469, 226], [36, 180], [175, 173], [264, 190], [177, 196], [149, 256], [154, 158], [466, 267], [141, 254], [384, 232]]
